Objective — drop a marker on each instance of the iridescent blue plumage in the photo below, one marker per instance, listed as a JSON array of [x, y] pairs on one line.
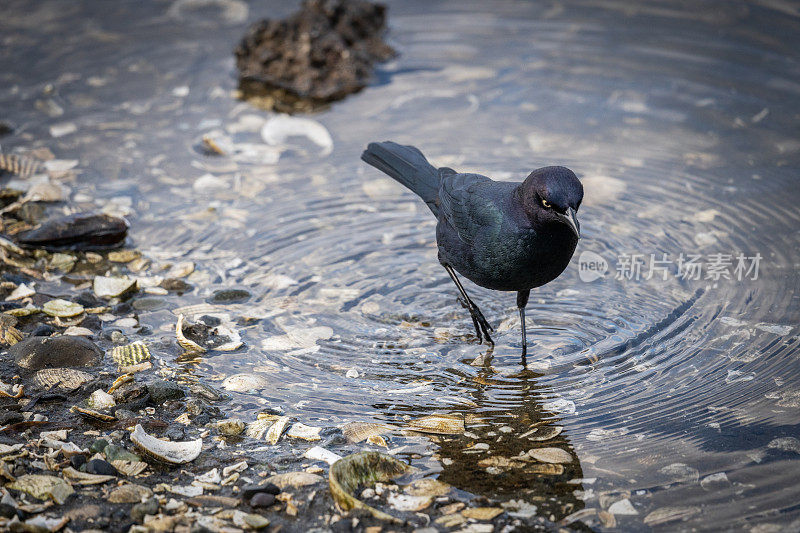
[[501, 235]]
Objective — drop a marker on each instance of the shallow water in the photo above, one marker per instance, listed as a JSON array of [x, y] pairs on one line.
[[679, 118]]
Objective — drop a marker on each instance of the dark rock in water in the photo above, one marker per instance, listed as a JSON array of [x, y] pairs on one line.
[[229, 296], [161, 391], [7, 510], [262, 499], [101, 468], [5, 128], [5, 306], [118, 453], [248, 491], [77, 461], [175, 433], [320, 54], [122, 309], [63, 351], [149, 304], [92, 322], [140, 510], [43, 330], [81, 231], [176, 285], [10, 417], [87, 299], [124, 414], [210, 321], [132, 395], [98, 446]]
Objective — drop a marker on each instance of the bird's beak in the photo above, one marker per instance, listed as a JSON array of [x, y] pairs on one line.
[[570, 218]]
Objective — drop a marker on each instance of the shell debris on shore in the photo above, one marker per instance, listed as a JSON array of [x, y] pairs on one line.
[[166, 451]]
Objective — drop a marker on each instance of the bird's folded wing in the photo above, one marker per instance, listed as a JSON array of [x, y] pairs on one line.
[[466, 204]]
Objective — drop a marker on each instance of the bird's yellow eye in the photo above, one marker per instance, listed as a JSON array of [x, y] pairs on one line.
[[546, 204]]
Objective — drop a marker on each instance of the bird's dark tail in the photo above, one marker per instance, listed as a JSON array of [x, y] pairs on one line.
[[407, 165]]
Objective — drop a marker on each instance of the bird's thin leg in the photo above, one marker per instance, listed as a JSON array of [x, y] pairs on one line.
[[522, 301], [482, 326]]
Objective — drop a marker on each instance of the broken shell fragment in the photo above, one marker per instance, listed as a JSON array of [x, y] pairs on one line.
[[547, 469], [129, 468], [83, 478], [130, 355], [363, 468], [230, 427], [438, 424], [280, 127], [407, 502], [317, 453], [108, 287], [358, 431], [92, 415], [543, 433], [245, 382], [166, 451], [9, 335], [257, 429], [293, 480], [428, 487], [43, 487], [101, 400], [189, 346], [482, 513], [276, 429], [550, 455], [304, 432], [377, 440], [63, 379], [22, 291], [129, 493], [62, 308]]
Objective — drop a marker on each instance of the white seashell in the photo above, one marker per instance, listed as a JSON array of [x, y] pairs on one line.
[[438, 424], [550, 455], [257, 429], [276, 429], [189, 346], [298, 338], [280, 127], [108, 287], [62, 308], [64, 379], [230, 427], [101, 400], [78, 331], [22, 291], [318, 453], [302, 431], [245, 382], [166, 451]]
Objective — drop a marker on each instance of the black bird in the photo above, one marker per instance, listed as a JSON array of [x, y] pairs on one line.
[[501, 235]]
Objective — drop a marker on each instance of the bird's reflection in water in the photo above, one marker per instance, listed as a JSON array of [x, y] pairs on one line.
[[512, 448]]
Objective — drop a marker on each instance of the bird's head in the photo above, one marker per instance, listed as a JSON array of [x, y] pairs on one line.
[[552, 194]]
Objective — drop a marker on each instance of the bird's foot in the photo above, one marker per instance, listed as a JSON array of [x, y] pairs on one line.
[[482, 326]]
